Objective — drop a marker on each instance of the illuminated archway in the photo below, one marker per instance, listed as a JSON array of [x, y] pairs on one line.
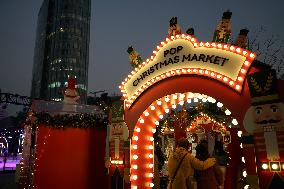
[[142, 149], [155, 94]]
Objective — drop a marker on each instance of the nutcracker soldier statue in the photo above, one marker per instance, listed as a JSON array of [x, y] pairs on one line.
[[134, 57], [117, 159], [263, 141], [174, 28], [223, 30], [242, 39]]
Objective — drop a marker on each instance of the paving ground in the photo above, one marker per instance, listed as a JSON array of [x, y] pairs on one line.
[[7, 180]]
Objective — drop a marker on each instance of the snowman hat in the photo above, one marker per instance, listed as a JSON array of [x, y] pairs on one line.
[[71, 83]]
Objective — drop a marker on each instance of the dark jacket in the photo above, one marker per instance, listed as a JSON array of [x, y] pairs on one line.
[[210, 178]]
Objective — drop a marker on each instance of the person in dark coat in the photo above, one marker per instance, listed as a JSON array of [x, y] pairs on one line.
[[210, 178], [222, 158]]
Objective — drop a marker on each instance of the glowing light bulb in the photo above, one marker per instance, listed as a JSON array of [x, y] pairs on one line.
[[264, 166], [134, 177], [227, 112], [274, 166], [235, 122], [219, 104], [244, 174], [240, 133]]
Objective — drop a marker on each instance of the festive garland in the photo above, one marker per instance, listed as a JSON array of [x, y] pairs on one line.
[[82, 120]]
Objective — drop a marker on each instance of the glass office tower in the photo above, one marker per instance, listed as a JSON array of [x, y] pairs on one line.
[[61, 49]]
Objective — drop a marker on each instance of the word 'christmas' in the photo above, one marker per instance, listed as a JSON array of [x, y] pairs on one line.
[[184, 58]]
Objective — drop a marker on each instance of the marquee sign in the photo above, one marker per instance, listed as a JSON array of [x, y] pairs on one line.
[[183, 54]]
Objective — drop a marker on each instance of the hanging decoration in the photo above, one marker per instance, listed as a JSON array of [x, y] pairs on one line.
[[83, 120]]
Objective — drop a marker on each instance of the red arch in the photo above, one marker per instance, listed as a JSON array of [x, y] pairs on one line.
[[237, 103], [181, 84]]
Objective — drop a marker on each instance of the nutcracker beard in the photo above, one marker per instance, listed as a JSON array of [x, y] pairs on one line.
[[271, 145]]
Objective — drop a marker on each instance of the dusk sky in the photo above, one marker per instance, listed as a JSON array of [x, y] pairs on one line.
[[117, 24]]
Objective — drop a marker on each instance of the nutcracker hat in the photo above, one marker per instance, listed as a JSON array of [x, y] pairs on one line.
[[173, 21], [244, 32], [130, 49], [190, 31], [263, 87], [227, 15], [71, 83], [117, 111]]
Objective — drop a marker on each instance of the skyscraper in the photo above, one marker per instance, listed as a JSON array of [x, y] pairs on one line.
[[61, 48]]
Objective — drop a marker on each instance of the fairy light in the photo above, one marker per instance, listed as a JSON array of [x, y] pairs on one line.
[[219, 105], [227, 112], [134, 177], [235, 122], [240, 133], [135, 138]]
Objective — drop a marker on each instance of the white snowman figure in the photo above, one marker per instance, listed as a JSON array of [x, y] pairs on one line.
[[70, 96]]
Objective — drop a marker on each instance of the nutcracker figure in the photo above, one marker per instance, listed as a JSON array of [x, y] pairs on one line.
[[242, 39], [264, 123], [134, 58], [223, 30], [117, 159], [174, 28]]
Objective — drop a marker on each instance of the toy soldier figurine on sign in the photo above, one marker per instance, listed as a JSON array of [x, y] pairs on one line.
[[223, 30], [242, 39], [134, 58], [264, 123], [174, 28]]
